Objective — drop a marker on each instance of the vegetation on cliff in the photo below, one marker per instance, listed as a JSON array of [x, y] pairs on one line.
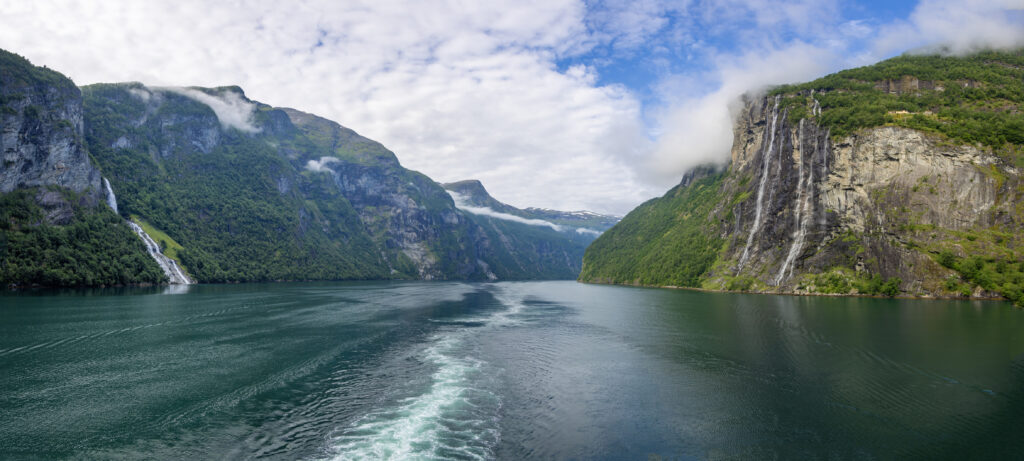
[[972, 99], [664, 241], [94, 247], [16, 71], [223, 206]]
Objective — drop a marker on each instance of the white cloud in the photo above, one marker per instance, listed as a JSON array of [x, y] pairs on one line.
[[698, 129], [140, 93], [231, 109], [460, 203], [457, 90], [959, 26], [472, 90], [321, 165], [695, 126], [583, 230]]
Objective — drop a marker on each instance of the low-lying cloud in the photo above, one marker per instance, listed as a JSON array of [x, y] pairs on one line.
[[460, 203], [699, 129], [232, 110], [321, 165], [955, 27]]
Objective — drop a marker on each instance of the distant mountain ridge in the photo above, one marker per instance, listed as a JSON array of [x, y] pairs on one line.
[[474, 194], [559, 238]]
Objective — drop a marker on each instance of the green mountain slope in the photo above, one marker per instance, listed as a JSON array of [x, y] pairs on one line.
[[233, 189], [662, 242], [226, 195], [259, 193]]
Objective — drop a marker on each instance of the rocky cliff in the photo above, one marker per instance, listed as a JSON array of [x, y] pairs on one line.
[[41, 136], [885, 209], [882, 202]]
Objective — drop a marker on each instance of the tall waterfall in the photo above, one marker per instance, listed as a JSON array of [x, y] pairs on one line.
[[169, 266], [111, 198], [760, 188], [803, 205]]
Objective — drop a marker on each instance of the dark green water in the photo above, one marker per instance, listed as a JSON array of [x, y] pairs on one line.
[[546, 370]]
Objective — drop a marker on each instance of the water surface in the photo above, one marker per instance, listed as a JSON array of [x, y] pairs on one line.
[[548, 370]]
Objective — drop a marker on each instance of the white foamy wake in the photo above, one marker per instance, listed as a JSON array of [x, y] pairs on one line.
[[453, 419], [456, 418]]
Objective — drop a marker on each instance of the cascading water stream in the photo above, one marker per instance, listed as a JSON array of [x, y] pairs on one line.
[[111, 198], [175, 275], [761, 187], [805, 196]]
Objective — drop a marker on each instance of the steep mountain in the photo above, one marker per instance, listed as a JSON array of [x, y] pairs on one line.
[[221, 188], [55, 228], [557, 239], [898, 178], [244, 191]]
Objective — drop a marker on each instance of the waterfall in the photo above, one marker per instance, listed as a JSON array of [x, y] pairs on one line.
[[111, 198], [169, 266], [824, 163], [804, 202], [760, 188]]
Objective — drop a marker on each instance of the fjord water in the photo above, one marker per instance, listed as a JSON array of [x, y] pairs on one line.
[[504, 370]]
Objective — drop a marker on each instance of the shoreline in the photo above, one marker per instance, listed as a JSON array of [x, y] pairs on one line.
[[829, 295]]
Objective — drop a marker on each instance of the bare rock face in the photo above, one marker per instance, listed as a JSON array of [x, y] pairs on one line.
[[41, 131], [875, 201]]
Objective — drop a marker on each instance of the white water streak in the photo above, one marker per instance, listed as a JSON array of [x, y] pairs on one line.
[[169, 266], [760, 189], [111, 198], [803, 208], [457, 416], [425, 426]]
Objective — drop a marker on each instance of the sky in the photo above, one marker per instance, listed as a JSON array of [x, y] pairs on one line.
[[563, 104]]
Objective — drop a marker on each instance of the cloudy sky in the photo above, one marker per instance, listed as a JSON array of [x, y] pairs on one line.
[[554, 103]]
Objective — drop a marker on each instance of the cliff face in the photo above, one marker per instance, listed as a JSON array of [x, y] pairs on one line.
[[41, 136], [799, 211], [881, 202]]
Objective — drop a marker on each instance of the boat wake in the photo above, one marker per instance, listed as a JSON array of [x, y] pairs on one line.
[[457, 417]]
